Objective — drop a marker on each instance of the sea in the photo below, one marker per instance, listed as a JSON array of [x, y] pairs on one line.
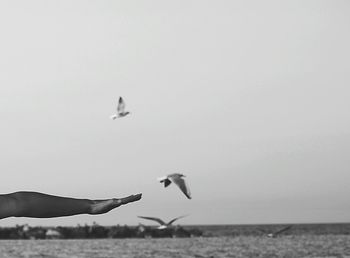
[[301, 240]]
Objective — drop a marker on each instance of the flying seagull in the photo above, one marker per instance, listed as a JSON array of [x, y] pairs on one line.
[[275, 234], [120, 110], [178, 180], [163, 225]]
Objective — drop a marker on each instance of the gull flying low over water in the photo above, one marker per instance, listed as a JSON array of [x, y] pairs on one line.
[[178, 180], [120, 110], [163, 225], [275, 234]]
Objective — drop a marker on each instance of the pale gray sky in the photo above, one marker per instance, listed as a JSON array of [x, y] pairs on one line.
[[249, 99]]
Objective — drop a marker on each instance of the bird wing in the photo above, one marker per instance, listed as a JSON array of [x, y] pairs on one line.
[[167, 182], [121, 105], [282, 230], [161, 222], [180, 182], [173, 220], [164, 180]]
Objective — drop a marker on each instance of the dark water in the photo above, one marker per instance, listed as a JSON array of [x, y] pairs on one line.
[[244, 246], [302, 240]]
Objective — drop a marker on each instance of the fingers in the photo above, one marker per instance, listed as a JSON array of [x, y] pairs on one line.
[[131, 198]]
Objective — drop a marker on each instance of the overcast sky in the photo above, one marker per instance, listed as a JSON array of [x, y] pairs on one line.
[[249, 99]]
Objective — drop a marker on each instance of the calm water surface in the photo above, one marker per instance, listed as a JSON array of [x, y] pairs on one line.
[[247, 246]]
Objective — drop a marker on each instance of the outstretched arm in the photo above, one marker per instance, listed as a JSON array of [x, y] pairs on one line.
[[39, 205]]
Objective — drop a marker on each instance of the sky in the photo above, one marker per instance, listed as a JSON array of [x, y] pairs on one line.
[[248, 99]]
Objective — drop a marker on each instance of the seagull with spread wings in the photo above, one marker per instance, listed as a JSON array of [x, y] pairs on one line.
[[178, 180], [120, 110], [163, 225], [275, 234]]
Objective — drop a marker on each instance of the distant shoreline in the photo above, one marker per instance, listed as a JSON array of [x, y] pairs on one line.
[[177, 231]]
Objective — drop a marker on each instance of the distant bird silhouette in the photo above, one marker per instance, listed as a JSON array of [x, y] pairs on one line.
[[120, 110], [275, 234], [163, 225], [178, 180]]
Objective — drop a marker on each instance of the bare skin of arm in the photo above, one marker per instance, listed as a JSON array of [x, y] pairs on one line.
[[39, 205]]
